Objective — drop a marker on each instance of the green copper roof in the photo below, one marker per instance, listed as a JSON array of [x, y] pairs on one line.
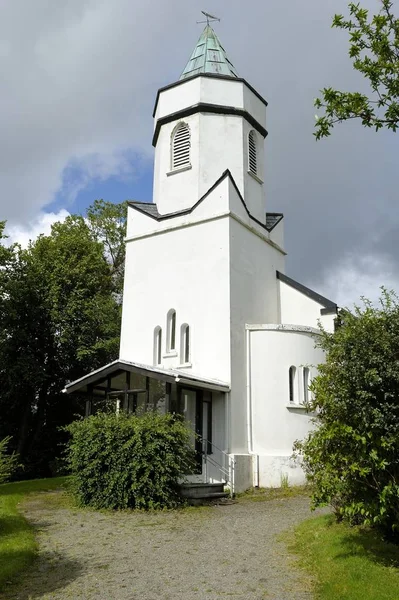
[[209, 56]]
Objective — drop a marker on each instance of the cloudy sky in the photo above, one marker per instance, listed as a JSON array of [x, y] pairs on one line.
[[78, 82]]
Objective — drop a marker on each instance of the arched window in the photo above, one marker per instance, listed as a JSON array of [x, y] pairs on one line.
[[292, 381], [252, 153], [185, 344], [306, 382], [157, 345], [171, 330], [181, 144]]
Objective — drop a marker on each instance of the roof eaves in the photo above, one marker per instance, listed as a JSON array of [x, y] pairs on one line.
[[325, 302]]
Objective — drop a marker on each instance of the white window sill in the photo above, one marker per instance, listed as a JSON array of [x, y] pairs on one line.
[[297, 406], [185, 366], [170, 354], [258, 179], [179, 170]]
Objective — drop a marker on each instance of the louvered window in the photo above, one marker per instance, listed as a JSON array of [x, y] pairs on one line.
[[181, 147], [252, 156]]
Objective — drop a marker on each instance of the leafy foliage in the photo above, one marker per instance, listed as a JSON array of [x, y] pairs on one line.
[[128, 461], [351, 457], [374, 48], [59, 319], [8, 462]]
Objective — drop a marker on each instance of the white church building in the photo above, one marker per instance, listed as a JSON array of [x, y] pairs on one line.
[[212, 327]]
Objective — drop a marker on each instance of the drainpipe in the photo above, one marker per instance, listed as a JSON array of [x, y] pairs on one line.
[[249, 413]]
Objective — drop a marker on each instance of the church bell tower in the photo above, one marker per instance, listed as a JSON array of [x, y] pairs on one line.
[[209, 121]]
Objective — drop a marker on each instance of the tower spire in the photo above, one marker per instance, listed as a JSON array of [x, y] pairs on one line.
[[209, 56]]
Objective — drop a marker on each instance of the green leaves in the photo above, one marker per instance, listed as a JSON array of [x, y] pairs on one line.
[[121, 461], [351, 457], [59, 319], [8, 462], [374, 48]]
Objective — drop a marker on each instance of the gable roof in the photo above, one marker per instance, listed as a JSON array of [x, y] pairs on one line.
[[329, 305], [209, 56], [151, 209]]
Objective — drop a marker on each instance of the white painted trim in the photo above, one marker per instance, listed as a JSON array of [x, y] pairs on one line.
[[154, 232], [249, 399], [283, 328], [185, 366], [179, 170], [297, 407], [170, 354], [258, 233], [258, 179]]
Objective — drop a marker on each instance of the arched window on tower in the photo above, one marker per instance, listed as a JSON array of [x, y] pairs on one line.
[[292, 384], [181, 144], [185, 341], [252, 153], [157, 345], [171, 330]]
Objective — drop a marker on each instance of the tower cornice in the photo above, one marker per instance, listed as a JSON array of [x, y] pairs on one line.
[[209, 76], [204, 107]]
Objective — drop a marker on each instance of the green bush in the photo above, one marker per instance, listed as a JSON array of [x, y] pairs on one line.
[[352, 455], [8, 462], [121, 461]]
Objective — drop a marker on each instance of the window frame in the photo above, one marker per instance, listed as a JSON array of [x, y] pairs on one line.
[[180, 156], [171, 332], [292, 392], [253, 153], [306, 383], [185, 344], [157, 346]]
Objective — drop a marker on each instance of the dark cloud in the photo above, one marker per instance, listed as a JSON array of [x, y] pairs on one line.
[[78, 85]]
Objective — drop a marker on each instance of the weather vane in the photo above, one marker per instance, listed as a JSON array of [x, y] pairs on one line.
[[209, 18]]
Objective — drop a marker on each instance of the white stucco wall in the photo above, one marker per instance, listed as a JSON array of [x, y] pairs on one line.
[[298, 308], [223, 92], [274, 422], [186, 269], [253, 299]]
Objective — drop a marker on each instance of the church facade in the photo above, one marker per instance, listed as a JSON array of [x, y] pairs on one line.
[[212, 327]]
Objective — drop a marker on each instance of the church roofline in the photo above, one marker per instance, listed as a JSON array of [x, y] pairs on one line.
[[204, 107], [329, 306], [211, 76], [151, 210], [121, 365]]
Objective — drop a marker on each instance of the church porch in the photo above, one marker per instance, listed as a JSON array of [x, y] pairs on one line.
[[136, 388]]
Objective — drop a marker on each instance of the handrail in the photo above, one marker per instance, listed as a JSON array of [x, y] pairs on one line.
[[224, 470]]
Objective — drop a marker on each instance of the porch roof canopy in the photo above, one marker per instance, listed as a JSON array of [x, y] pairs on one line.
[[99, 381]]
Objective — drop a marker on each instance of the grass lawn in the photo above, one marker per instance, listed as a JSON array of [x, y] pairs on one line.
[[17, 541], [348, 563]]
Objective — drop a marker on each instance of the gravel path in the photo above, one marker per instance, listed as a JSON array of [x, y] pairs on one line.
[[221, 552]]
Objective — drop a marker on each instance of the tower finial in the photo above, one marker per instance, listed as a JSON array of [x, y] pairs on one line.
[[209, 18]]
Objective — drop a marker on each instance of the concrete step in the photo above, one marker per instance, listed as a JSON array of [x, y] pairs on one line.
[[202, 490]]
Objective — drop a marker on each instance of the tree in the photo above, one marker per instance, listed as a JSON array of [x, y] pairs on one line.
[[374, 48], [108, 223], [59, 319], [351, 457]]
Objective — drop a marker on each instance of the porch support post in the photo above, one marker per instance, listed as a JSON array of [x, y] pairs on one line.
[[147, 395], [89, 401], [168, 389], [126, 395]]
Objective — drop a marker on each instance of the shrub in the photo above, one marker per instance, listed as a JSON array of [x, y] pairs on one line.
[[8, 462], [125, 461], [351, 457]]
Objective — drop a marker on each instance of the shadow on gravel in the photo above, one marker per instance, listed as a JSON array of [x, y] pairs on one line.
[[48, 573], [10, 525]]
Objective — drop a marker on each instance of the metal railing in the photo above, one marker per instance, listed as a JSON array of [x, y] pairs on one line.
[[225, 469]]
